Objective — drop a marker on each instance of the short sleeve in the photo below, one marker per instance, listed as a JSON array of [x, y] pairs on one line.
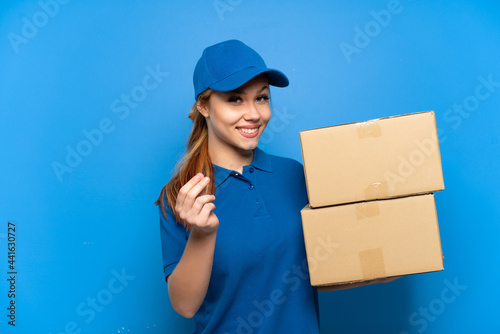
[[173, 240]]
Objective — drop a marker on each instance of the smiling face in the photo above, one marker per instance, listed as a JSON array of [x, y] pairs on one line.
[[236, 119]]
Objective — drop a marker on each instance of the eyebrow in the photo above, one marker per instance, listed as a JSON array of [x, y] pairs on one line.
[[237, 91]]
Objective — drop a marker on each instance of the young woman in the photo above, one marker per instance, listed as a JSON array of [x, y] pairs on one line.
[[231, 232]]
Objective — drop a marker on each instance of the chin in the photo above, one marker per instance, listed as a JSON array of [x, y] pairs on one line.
[[248, 146]]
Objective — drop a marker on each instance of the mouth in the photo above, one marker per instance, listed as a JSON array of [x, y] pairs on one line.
[[248, 132]]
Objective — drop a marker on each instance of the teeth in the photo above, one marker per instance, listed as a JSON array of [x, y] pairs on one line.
[[248, 130]]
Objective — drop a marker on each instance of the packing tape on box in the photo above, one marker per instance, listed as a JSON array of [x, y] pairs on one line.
[[366, 209], [369, 129], [377, 190], [372, 263]]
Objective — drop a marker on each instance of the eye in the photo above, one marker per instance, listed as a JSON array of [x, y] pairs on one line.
[[263, 98], [234, 99]]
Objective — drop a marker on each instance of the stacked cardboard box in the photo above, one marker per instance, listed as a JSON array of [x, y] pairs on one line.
[[371, 211]]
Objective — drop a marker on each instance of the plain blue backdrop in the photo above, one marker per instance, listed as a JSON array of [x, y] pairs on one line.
[[94, 97]]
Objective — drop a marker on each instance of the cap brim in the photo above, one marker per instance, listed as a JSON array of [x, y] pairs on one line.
[[238, 79]]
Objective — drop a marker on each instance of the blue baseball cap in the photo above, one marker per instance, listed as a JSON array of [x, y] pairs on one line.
[[228, 65]]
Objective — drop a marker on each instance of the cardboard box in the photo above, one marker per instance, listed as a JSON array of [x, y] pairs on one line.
[[369, 240], [383, 158]]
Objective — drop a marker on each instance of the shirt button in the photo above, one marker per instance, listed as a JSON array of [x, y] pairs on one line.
[[250, 187], [250, 169]]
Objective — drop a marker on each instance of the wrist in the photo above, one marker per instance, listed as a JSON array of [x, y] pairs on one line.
[[202, 233]]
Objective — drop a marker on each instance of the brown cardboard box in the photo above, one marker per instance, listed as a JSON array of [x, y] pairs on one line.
[[382, 158], [369, 240]]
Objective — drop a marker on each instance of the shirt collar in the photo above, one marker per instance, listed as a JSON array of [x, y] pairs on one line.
[[261, 161]]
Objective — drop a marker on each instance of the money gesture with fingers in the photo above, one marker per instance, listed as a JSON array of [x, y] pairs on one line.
[[195, 207]]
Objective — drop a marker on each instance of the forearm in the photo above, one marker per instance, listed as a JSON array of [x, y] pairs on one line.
[[188, 283]]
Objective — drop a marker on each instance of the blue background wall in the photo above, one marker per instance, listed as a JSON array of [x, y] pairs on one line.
[[88, 256]]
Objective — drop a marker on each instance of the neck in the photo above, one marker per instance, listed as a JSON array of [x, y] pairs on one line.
[[230, 158]]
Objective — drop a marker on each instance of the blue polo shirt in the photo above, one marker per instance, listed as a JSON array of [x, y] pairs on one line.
[[259, 281]]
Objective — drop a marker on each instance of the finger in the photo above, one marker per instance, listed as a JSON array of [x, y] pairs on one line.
[[181, 196], [199, 203], [206, 211], [194, 192]]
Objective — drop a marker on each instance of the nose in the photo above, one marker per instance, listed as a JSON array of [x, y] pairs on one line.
[[252, 113]]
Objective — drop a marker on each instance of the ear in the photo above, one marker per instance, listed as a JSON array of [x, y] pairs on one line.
[[202, 108]]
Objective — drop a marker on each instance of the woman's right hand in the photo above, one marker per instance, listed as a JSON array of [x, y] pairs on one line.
[[188, 283], [195, 207]]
